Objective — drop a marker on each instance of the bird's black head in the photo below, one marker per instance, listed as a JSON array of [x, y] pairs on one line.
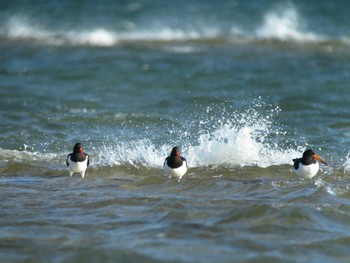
[[309, 156], [308, 153], [78, 148], [175, 151]]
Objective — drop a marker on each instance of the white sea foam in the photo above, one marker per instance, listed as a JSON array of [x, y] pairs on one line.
[[243, 141], [347, 163], [136, 153], [23, 28], [249, 138], [95, 37], [26, 156], [19, 27], [232, 146], [161, 34], [228, 146], [285, 24], [240, 141]]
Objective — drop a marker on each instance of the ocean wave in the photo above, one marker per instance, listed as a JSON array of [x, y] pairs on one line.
[[246, 139], [22, 28], [285, 25]]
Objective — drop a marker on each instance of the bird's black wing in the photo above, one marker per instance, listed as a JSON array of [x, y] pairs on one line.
[[68, 156], [166, 160], [296, 163]]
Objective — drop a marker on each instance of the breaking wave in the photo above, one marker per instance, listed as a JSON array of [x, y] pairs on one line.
[[284, 24], [249, 138]]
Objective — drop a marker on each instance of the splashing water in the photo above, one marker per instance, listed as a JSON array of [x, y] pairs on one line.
[[284, 25], [347, 163], [243, 141], [218, 136], [234, 139]]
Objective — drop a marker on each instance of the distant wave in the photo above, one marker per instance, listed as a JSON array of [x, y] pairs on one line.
[[284, 24], [20, 28]]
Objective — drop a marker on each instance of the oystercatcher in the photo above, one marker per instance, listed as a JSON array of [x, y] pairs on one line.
[[307, 166], [77, 161], [175, 165]]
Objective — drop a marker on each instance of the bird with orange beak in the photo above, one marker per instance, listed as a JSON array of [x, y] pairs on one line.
[[175, 165], [77, 161], [308, 165]]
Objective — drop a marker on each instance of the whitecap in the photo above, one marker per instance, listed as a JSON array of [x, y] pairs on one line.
[[284, 24]]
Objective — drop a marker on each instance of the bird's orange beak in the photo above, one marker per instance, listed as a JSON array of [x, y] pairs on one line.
[[178, 155], [318, 158], [81, 151]]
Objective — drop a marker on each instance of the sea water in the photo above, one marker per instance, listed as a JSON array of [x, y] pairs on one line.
[[241, 87]]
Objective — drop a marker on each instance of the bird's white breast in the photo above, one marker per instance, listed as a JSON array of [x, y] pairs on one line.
[[307, 171], [176, 172], [78, 167]]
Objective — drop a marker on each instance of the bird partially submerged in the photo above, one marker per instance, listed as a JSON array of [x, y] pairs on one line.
[[78, 161], [175, 165], [308, 165]]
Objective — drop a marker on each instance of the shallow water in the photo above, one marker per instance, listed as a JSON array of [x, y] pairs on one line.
[[242, 89], [211, 215]]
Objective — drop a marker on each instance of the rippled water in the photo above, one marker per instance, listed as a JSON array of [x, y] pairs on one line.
[[209, 216], [242, 89]]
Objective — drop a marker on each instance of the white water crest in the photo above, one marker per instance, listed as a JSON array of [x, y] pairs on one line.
[[285, 24], [23, 28], [96, 37], [232, 139], [246, 139], [282, 24], [243, 141], [347, 163], [20, 27]]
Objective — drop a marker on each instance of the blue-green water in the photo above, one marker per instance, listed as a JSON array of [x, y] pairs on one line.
[[242, 87]]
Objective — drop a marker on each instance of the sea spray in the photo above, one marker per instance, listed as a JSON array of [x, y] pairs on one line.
[[281, 22], [284, 24], [248, 137], [138, 153], [217, 135], [347, 163]]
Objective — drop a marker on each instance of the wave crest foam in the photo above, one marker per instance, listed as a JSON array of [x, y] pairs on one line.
[[284, 25]]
